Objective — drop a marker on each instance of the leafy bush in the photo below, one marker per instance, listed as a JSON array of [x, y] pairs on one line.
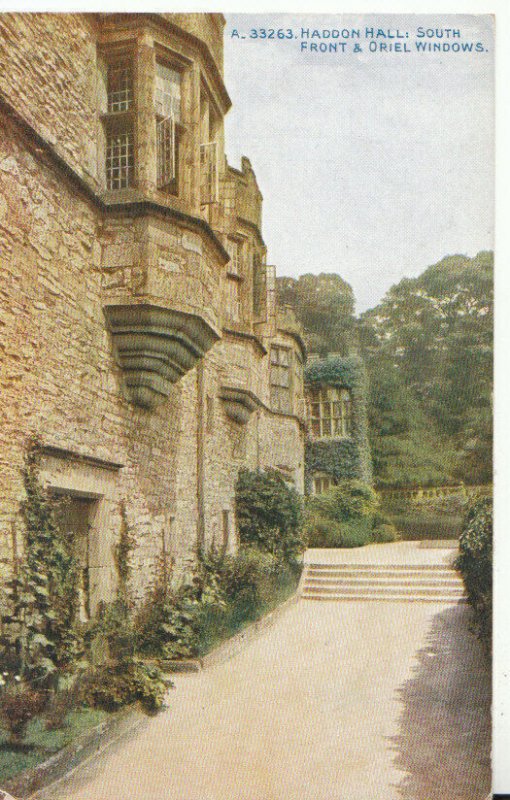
[[253, 582], [383, 529], [167, 624], [19, 703], [475, 564], [324, 532], [269, 514], [349, 500], [346, 516], [111, 635], [249, 573], [217, 597], [111, 686]]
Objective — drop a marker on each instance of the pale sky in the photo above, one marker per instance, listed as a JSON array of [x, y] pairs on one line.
[[372, 165]]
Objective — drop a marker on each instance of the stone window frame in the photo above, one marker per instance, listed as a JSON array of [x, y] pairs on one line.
[[118, 118], [170, 129], [330, 412], [281, 378]]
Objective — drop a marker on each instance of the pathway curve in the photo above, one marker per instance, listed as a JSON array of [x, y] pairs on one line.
[[337, 701]]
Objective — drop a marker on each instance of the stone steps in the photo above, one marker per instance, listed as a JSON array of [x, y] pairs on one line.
[[383, 582]]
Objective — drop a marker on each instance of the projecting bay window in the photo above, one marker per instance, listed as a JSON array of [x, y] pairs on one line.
[[118, 124], [232, 302], [167, 102], [331, 412], [281, 397]]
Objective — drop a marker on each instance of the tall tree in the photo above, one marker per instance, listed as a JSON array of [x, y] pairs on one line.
[[436, 332], [324, 305]]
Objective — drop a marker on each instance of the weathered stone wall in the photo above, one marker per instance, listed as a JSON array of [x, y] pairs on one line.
[[48, 72], [64, 257], [59, 378]]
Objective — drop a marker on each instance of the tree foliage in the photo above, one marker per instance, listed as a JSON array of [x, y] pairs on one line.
[[324, 305], [428, 350]]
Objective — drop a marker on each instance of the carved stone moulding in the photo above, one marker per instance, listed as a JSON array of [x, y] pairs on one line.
[[155, 347], [239, 403]]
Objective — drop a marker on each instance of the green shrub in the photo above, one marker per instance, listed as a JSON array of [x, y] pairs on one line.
[[324, 532], [249, 574], [475, 564], [384, 533], [111, 635], [415, 526], [111, 686], [269, 514], [383, 529], [253, 582], [346, 516], [167, 623], [348, 500], [217, 596]]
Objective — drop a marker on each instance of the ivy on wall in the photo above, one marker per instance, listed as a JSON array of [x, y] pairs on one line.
[[39, 635], [341, 458]]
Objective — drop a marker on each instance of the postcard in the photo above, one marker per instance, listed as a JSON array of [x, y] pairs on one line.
[[246, 354]]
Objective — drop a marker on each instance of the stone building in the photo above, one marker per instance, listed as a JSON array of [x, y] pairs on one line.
[[141, 342]]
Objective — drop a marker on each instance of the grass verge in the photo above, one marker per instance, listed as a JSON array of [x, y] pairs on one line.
[[40, 744]]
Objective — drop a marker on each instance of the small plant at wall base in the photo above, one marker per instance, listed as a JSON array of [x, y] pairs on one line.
[[111, 686], [121, 677], [475, 564], [19, 703], [167, 622]]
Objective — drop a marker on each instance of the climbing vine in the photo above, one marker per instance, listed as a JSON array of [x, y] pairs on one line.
[[123, 556], [39, 632], [341, 458]]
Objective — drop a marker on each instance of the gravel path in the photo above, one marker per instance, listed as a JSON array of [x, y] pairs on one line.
[[337, 701]]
